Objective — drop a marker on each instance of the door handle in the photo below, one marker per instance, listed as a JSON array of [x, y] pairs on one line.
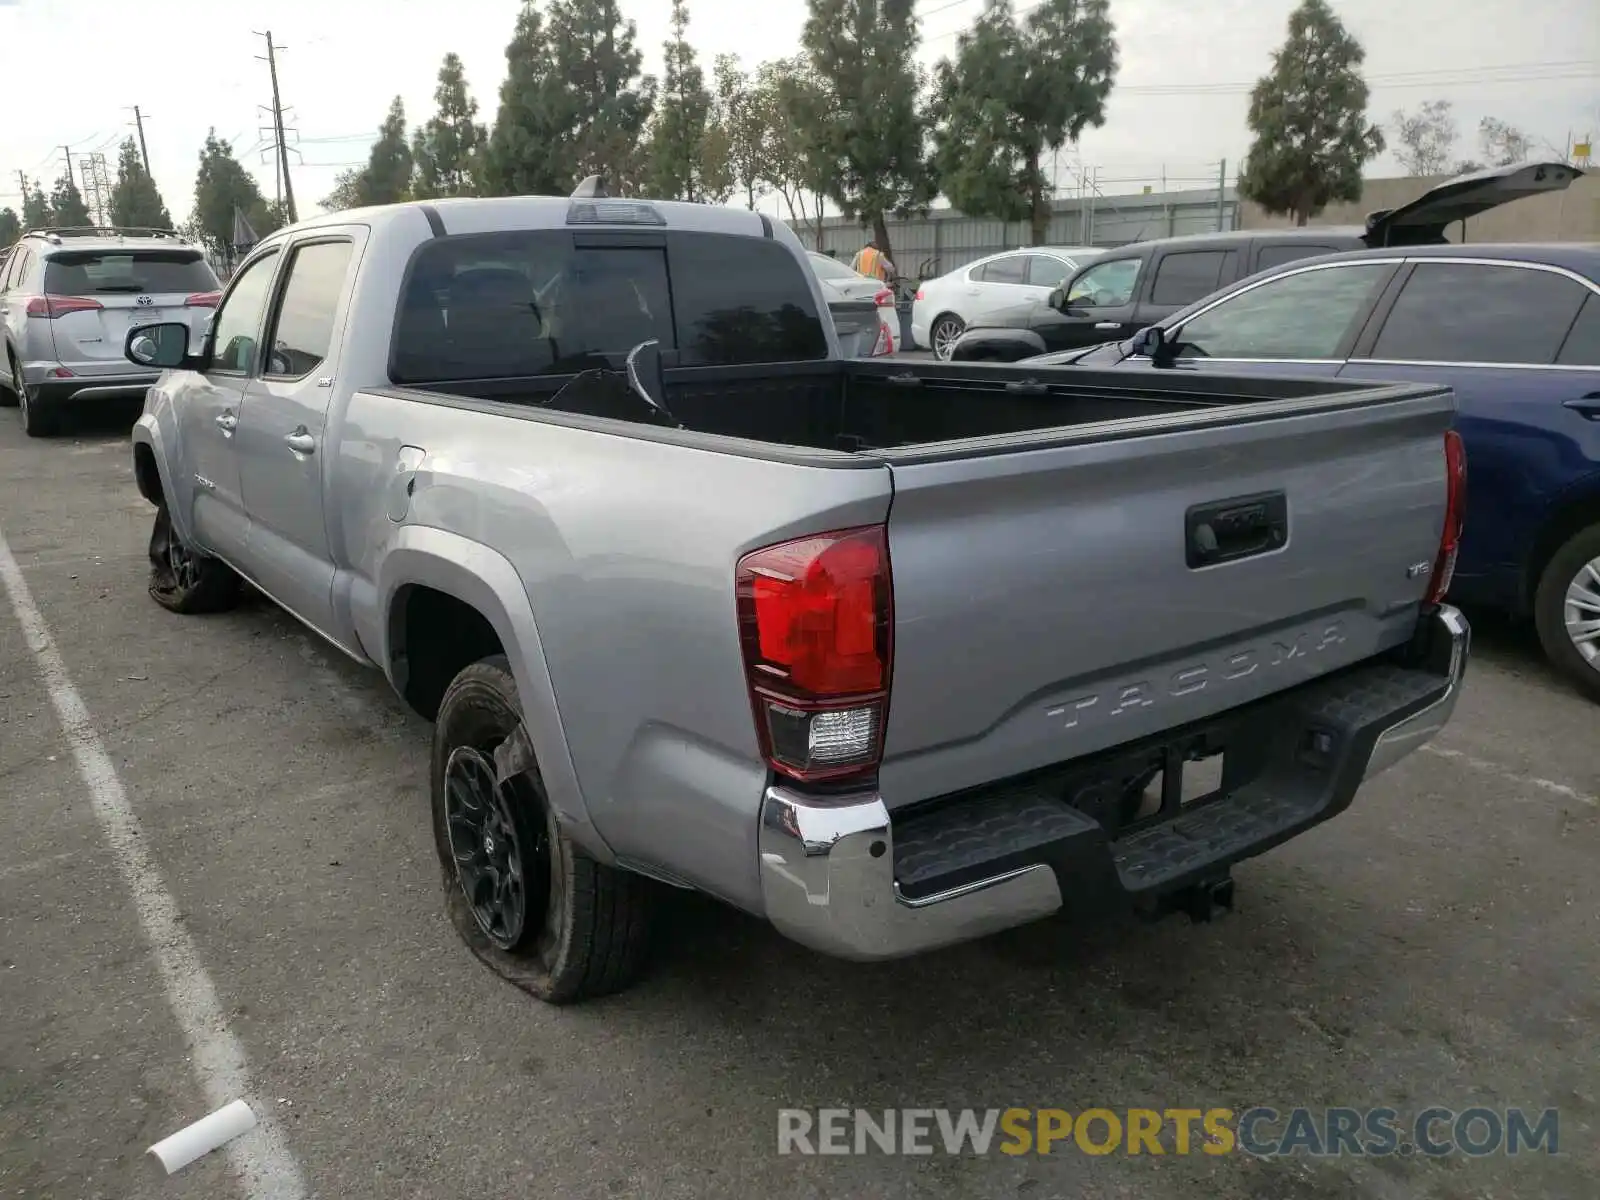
[[300, 442], [1588, 406], [227, 422], [1108, 324]]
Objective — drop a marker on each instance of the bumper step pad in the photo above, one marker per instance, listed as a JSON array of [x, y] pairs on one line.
[[1311, 747]]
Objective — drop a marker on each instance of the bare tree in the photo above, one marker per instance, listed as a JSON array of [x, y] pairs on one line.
[[1425, 139], [1502, 144]]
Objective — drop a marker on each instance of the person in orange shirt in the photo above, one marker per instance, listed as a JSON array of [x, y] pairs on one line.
[[869, 260]]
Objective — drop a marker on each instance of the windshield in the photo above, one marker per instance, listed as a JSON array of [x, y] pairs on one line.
[[832, 268], [142, 272]]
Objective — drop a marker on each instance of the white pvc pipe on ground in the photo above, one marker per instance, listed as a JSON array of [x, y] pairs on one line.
[[208, 1133]]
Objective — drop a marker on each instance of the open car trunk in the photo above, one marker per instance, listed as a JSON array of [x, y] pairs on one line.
[[894, 404]]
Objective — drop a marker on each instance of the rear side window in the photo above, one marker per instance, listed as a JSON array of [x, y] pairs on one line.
[[139, 272], [544, 302], [1004, 270], [1275, 256], [1186, 276], [1474, 312], [1582, 347], [303, 330]]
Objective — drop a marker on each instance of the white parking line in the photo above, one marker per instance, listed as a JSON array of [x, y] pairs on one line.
[[261, 1157]]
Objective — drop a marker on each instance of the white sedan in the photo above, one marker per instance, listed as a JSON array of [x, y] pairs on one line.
[[945, 306], [839, 282]]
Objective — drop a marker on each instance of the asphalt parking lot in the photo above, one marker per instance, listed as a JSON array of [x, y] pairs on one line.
[[1437, 944]]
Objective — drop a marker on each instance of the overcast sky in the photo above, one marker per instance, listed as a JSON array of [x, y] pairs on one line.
[[72, 68]]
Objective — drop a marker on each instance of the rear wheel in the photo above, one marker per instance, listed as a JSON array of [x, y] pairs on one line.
[[40, 418], [1566, 610], [946, 330], [182, 580], [527, 899], [11, 387]]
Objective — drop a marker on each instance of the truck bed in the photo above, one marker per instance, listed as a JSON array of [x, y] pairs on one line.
[[896, 404]]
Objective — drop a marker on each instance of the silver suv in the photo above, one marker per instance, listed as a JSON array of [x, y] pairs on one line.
[[67, 300]]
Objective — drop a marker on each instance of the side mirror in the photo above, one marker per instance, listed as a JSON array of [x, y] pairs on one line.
[[164, 345], [1148, 342], [1058, 298]]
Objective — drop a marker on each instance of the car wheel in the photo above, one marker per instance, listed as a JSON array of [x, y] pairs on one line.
[[944, 333], [1566, 610], [527, 900], [182, 580], [11, 391], [39, 417]]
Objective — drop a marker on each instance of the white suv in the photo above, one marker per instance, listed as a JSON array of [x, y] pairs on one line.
[[67, 300]]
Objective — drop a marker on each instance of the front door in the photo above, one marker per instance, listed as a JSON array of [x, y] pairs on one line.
[[1303, 322], [1099, 307], [211, 403], [283, 457]]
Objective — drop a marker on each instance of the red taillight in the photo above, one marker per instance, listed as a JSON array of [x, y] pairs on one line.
[[919, 293], [1455, 513], [202, 300], [884, 296], [816, 617], [51, 307], [884, 343]]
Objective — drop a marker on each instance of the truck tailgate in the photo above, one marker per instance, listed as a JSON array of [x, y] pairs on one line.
[[1056, 599]]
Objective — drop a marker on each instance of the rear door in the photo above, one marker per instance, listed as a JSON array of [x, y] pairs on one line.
[[1180, 277], [998, 286], [1044, 603], [107, 292], [283, 427], [1498, 334]]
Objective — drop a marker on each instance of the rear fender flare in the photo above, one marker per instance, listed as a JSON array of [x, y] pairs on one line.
[[484, 578]]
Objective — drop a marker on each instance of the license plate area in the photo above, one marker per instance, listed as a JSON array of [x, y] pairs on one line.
[[1155, 782]]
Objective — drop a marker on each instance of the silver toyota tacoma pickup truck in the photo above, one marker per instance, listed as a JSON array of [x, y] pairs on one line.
[[890, 653]]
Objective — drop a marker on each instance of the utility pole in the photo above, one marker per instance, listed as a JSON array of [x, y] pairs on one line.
[[66, 152], [277, 124], [144, 153], [1222, 191]]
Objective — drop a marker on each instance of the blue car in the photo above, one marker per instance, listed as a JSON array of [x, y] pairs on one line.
[[1514, 329]]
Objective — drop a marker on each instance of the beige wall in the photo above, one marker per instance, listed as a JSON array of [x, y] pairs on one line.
[[1569, 216]]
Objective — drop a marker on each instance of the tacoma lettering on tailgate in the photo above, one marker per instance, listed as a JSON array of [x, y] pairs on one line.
[[1197, 676]]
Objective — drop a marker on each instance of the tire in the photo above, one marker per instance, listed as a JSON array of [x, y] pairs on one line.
[[578, 929], [1569, 592], [40, 418], [183, 581], [944, 333]]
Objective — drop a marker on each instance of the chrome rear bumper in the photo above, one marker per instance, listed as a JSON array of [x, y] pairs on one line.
[[827, 865]]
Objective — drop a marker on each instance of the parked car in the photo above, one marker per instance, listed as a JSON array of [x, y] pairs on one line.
[[1514, 331], [845, 290], [632, 550], [970, 295], [67, 299], [1135, 286]]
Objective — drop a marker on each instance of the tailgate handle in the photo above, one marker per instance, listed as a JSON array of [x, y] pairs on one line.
[[1227, 530]]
